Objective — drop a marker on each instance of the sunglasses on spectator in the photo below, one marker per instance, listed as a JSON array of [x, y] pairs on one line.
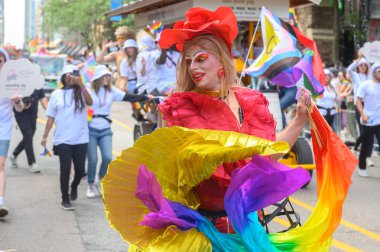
[[363, 65], [120, 38], [377, 70]]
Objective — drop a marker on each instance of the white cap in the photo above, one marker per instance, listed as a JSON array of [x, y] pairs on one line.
[[363, 61], [130, 43], [328, 72], [100, 71], [68, 69], [373, 68]]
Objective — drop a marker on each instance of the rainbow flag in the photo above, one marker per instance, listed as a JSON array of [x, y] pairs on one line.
[[137, 105], [90, 114], [87, 72], [46, 152], [279, 52], [156, 27], [293, 19]]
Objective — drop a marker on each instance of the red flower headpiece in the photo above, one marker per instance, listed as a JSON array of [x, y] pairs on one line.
[[198, 21]]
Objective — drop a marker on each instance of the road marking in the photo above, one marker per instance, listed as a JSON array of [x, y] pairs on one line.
[[122, 124], [342, 222], [335, 243]]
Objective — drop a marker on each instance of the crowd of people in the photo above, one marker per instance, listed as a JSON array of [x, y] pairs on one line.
[[144, 70]]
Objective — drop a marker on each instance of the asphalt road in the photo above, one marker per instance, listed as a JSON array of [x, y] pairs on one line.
[[37, 223]]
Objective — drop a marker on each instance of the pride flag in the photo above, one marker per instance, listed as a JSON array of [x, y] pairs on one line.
[[281, 62], [279, 52], [88, 70]]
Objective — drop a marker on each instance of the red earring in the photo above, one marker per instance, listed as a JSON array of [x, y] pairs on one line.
[[221, 72]]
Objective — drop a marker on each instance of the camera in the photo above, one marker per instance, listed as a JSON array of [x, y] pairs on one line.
[[76, 73], [27, 99], [113, 49]]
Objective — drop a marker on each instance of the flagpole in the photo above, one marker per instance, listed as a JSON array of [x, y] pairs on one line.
[[249, 49]]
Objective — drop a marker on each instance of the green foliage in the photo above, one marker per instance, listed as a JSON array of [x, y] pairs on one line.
[[75, 16]]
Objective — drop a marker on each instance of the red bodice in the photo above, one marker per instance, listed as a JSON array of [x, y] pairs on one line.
[[199, 111]]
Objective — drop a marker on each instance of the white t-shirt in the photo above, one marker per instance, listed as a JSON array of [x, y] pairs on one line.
[[328, 101], [166, 73], [71, 127], [369, 92], [128, 71], [101, 105], [150, 77], [6, 120]]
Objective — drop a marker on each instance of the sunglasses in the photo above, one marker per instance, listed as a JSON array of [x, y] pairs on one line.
[[120, 38], [377, 70], [363, 65]]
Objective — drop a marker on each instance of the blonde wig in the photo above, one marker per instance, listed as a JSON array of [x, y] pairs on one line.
[[217, 47], [125, 32]]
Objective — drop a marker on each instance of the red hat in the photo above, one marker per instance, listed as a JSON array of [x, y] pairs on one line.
[[221, 23]]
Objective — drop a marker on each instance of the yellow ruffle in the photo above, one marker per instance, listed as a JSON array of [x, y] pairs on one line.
[[180, 158]]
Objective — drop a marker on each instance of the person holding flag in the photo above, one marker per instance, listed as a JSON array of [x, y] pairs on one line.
[[6, 124]]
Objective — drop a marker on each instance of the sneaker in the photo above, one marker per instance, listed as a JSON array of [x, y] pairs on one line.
[[34, 168], [370, 162], [98, 188], [363, 173], [66, 205], [90, 191], [13, 160], [3, 211], [74, 193]]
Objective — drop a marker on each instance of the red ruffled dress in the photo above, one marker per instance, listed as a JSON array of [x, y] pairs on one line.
[[200, 111]]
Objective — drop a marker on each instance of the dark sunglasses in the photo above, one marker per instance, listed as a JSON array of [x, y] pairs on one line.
[[377, 70], [363, 65]]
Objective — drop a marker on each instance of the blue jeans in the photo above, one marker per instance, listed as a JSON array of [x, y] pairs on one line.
[[287, 98], [4, 147], [103, 139]]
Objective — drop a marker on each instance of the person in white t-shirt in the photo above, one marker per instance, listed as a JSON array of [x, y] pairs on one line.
[[369, 94], [359, 72], [6, 125], [165, 62], [128, 67], [103, 95], [67, 109], [327, 105], [145, 69]]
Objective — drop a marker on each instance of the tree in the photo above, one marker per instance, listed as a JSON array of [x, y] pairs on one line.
[[82, 17]]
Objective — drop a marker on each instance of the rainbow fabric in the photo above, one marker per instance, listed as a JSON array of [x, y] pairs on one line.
[[88, 70], [137, 105], [149, 198], [46, 153]]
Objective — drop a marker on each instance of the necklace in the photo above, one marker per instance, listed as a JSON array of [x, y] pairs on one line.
[[216, 94], [101, 104]]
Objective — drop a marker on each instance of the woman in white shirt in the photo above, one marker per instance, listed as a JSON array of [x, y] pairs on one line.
[[103, 95], [6, 124], [327, 104], [67, 109], [128, 67], [359, 73]]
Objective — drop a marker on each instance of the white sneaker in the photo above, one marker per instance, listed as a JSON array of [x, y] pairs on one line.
[[13, 160], [370, 162], [98, 189], [363, 173], [90, 191], [34, 168]]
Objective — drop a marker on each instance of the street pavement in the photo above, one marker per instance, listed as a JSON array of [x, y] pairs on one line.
[[37, 223]]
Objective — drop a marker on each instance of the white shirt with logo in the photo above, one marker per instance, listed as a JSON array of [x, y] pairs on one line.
[[101, 105], [71, 127]]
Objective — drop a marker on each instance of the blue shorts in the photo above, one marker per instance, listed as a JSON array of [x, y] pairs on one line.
[[4, 146]]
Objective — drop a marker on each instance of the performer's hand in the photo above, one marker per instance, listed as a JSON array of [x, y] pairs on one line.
[[302, 105], [110, 44]]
